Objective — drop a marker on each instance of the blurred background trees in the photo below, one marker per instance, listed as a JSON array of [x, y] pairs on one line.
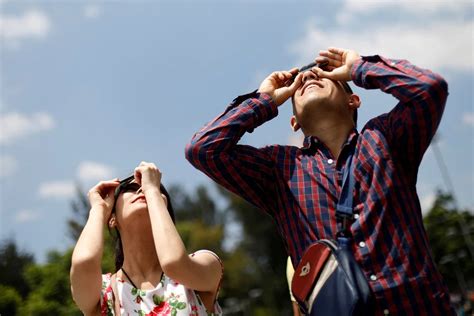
[[246, 240]]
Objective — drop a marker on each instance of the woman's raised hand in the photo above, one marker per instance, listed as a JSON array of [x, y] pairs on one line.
[[148, 176], [102, 195]]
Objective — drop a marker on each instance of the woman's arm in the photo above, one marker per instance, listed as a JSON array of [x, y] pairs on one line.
[[201, 272], [86, 274]]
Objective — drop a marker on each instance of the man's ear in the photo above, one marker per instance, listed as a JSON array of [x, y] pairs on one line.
[[112, 221], [354, 102], [294, 124]]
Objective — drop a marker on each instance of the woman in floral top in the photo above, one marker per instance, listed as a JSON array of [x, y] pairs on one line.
[[155, 275]]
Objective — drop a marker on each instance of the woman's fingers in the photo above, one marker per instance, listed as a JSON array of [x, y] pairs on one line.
[[104, 185]]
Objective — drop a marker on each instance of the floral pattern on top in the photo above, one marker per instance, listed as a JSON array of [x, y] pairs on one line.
[[167, 298]]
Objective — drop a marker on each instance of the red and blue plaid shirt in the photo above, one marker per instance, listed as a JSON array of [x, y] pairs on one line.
[[299, 187]]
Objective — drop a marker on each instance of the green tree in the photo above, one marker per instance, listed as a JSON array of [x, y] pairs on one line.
[[10, 300], [259, 279], [254, 280], [50, 294], [449, 242], [12, 264]]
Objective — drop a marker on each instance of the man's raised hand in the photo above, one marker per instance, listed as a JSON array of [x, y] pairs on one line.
[[339, 65], [274, 85]]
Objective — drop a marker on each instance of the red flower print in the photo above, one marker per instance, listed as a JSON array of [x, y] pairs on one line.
[[163, 309]]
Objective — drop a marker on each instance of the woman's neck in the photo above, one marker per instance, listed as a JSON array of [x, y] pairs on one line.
[[140, 258]]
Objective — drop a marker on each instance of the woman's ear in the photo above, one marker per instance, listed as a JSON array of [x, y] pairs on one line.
[[165, 199], [112, 221], [294, 124]]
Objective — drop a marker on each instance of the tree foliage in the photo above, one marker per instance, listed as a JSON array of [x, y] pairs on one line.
[[254, 278], [450, 231]]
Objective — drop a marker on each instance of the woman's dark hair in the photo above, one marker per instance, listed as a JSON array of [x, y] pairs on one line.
[[116, 235]]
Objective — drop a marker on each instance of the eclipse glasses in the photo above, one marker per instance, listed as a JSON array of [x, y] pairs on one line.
[[321, 65]]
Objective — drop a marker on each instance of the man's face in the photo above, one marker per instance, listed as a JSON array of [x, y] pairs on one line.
[[318, 96]]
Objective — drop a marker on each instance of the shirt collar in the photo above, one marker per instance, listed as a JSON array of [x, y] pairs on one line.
[[312, 141]]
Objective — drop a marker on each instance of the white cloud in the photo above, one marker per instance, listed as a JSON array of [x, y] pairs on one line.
[[468, 119], [14, 126], [57, 189], [420, 6], [8, 165], [430, 33], [32, 24], [398, 41], [26, 216], [427, 201], [92, 11], [94, 171]]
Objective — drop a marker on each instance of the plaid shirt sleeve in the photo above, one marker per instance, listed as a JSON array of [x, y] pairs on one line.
[[422, 95], [245, 170]]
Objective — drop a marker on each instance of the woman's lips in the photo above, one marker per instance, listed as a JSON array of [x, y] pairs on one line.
[[140, 198]]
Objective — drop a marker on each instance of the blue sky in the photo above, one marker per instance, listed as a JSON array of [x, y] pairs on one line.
[[89, 89]]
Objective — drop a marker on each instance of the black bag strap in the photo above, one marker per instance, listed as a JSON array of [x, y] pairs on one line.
[[344, 208]]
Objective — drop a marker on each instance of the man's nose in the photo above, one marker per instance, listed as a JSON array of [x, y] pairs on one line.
[[309, 75]]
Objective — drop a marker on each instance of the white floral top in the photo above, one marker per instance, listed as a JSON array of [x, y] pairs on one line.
[[168, 298]]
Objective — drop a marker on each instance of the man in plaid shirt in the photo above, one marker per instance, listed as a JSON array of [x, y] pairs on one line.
[[299, 186]]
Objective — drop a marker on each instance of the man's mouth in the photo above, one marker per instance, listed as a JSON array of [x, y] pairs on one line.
[[312, 84]]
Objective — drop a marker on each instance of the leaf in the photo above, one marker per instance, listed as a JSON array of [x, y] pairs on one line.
[[134, 291], [173, 302], [157, 299], [181, 305], [142, 292], [174, 312]]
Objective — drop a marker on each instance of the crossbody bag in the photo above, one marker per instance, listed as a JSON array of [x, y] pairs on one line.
[[328, 281]]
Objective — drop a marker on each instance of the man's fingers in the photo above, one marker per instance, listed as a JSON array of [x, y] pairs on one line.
[[330, 55], [336, 50], [296, 83], [323, 74], [294, 70]]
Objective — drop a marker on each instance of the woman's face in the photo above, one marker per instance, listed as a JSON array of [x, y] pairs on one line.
[[132, 201]]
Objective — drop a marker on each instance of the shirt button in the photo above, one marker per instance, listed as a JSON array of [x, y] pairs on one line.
[[362, 244], [373, 277], [330, 161], [386, 312], [356, 216]]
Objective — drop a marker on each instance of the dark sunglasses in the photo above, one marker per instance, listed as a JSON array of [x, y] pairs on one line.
[[322, 65], [126, 185], [305, 68]]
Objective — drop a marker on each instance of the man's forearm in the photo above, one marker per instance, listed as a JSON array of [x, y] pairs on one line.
[[224, 132]]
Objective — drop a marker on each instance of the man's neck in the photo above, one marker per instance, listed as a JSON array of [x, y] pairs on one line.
[[332, 135]]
